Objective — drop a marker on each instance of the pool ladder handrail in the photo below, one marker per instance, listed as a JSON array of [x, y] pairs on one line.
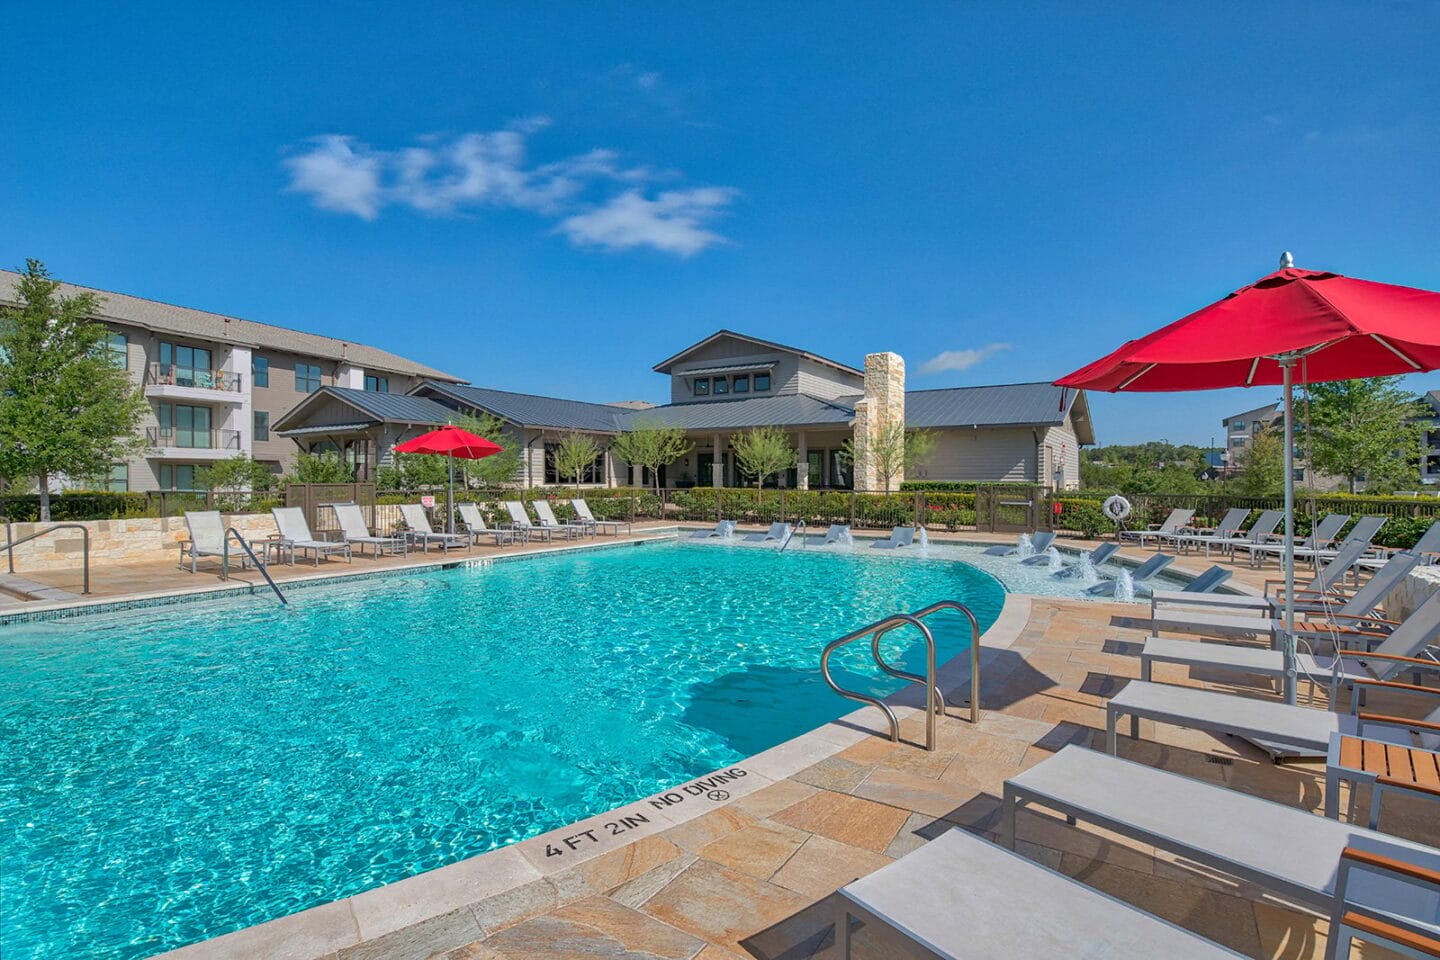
[[225, 562], [798, 528], [934, 699]]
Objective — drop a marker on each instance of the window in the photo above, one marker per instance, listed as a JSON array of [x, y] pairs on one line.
[[742, 383], [762, 382], [307, 377], [177, 476], [262, 425], [185, 366], [595, 473], [1238, 442], [116, 347], [721, 385], [1299, 474], [118, 478], [840, 470], [702, 387], [1257, 426], [185, 426], [260, 371], [377, 384]]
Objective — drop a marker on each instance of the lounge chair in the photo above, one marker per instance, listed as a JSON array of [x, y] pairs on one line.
[[725, 529], [1222, 534], [354, 531], [1011, 907], [838, 533], [1280, 727], [1173, 526], [296, 533], [1403, 649], [1260, 532], [548, 520], [1317, 596], [1139, 576], [1364, 530], [582, 510], [1097, 557], [1039, 543], [472, 524], [1427, 548], [899, 537], [418, 530], [207, 539], [1351, 918], [1039, 557], [777, 531], [520, 521], [1289, 852], [1323, 536]]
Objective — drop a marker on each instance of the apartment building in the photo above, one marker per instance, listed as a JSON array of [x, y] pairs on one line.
[[216, 383]]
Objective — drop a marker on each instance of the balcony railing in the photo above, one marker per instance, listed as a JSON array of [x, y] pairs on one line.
[[193, 439], [168, 374]]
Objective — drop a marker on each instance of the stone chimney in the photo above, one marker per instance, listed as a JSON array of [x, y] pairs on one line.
[[882, 407]]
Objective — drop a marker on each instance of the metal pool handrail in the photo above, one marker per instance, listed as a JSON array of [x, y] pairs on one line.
[[225, 562], [798, 528], [934, 699], [10, 546]]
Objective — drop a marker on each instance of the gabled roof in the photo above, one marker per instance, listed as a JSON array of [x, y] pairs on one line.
[[664, 365], [530, 410], [374, 409], [1004, 405], [201, 325], [1269, 410]]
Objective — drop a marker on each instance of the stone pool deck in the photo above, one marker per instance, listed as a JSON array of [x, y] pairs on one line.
[[744, 865]]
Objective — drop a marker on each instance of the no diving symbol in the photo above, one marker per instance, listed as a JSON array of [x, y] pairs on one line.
[[718, 795]]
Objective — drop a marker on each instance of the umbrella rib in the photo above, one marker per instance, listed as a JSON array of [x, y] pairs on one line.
[[1250, 377], [1395, 350], [1130, 380]]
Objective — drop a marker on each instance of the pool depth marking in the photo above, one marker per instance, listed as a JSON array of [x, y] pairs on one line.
[[622, 822]]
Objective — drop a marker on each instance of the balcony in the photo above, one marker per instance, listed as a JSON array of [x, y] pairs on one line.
[[168, 443], [168, 381]]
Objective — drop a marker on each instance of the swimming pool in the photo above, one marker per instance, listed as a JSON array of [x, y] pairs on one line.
[[174, 773]]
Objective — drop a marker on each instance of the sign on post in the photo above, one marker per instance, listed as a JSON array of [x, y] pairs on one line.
[[428, 501]]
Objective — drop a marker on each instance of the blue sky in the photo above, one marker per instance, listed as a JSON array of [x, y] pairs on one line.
[[554, 199]]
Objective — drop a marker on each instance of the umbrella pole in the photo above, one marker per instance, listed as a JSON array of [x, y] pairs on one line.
[[450, 500], [1287, 640]]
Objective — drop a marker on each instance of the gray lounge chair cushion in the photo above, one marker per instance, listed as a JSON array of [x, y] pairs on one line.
[[899, 537], [1011, 907]]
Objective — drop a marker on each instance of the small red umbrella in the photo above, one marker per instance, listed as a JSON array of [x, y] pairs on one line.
[[1328, 326], [450, 441]]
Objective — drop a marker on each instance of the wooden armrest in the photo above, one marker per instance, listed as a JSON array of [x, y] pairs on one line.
[[1397, 686], [1385, 931], [1391, 865], [1367, 618], [1418, 661], [1412, 785], [1390, 721], [1338, 628]]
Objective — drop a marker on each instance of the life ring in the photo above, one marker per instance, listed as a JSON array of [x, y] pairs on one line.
[[1117, 508]]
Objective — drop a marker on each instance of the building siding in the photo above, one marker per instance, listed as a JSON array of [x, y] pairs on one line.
[[981, 455]]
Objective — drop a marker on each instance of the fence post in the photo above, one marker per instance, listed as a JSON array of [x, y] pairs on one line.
[[852, 509], [919, 507]]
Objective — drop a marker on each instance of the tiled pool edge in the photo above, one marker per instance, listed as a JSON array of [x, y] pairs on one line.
[[62, 610], [378, 922]]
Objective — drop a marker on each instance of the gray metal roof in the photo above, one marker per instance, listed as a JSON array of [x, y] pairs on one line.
[[530, 410], [382, 407], [664, 365], [201, 325], [1006, 405]]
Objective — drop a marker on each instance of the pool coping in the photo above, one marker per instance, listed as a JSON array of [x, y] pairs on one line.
[[379, 918]]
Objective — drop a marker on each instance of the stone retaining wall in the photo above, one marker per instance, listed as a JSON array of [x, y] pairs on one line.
[[119, 541], [1414, 590]]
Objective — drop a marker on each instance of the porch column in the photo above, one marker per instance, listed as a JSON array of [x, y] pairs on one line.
[[802, 466], [637, 475], [717, 468]]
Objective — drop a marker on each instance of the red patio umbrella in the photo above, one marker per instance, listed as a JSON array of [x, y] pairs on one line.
[[1323, 325], [450, 441]]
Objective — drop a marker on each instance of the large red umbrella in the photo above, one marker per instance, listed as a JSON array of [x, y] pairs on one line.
[[450, 441], [1323, 325]]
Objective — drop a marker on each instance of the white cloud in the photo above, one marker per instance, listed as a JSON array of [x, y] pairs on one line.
[[675, 221], [598, 198], [957, 360]]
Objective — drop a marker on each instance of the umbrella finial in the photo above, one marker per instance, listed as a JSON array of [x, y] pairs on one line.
[[1287, 260]]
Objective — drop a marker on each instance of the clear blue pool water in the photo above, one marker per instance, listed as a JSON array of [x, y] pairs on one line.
[[178, 772]]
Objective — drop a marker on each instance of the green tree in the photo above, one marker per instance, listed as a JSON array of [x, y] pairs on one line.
[[1365, 429], [65, 407], [496, 469], [411, 471], [574, 455], [649, 443], [763, 452], [1262, 464], [892, 453], [326, 467], [236, 474]]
